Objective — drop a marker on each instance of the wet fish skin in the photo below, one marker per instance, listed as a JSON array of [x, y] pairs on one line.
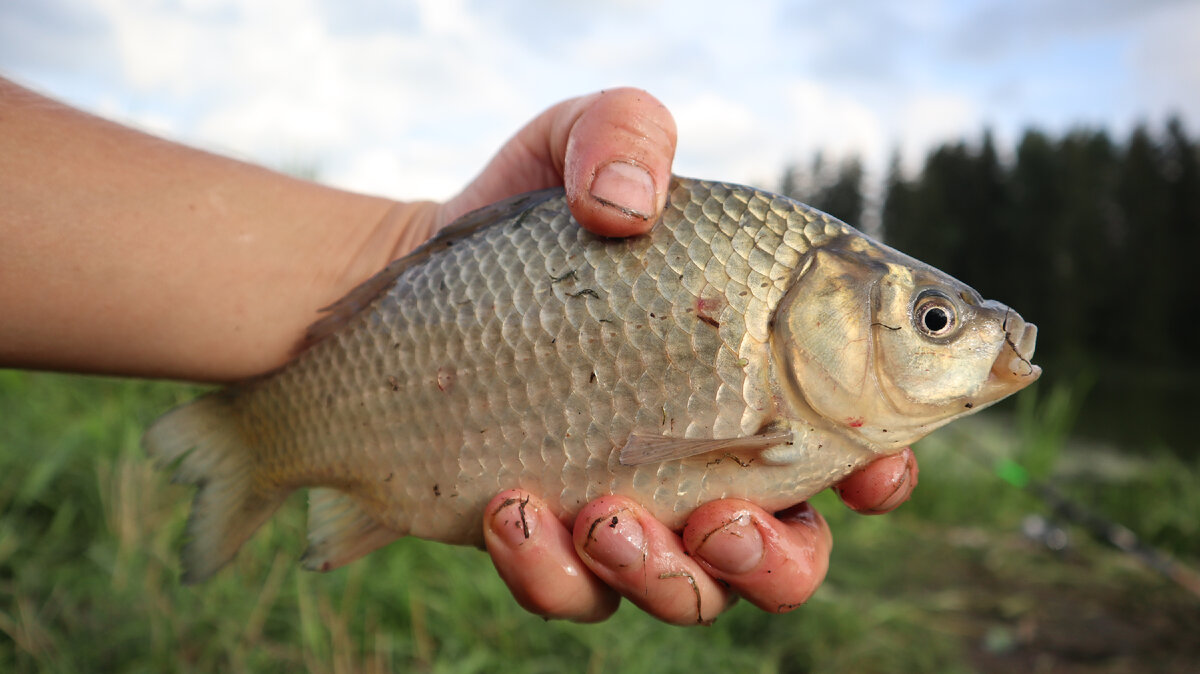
[[518, 350]]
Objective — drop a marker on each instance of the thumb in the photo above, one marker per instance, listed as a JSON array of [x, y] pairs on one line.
[[617, 166], [611, 150]]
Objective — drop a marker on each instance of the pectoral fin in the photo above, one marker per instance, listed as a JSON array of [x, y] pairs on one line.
[[642, 449]]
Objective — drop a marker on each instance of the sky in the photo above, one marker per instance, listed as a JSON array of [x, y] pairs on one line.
[[410, 99]]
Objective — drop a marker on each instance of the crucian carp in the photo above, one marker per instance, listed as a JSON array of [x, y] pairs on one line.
[[748, 346]]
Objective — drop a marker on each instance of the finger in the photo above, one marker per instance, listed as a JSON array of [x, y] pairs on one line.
[[611, 150], [882, 486], [643, 560], [775, 562], [534, 555], [617, 166]]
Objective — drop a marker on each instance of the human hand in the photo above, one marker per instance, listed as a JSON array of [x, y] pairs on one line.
[[612, 152], [728, 548], [217, 265], [579, 570]]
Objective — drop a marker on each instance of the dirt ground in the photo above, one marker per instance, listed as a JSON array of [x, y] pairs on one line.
[[1087, 610]]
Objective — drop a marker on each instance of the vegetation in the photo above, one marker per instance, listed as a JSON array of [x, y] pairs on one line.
[[89, 535]]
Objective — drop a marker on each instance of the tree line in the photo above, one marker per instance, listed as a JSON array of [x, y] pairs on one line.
[[1093, 239]]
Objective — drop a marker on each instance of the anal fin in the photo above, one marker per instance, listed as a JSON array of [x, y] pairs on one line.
[[340, 531], [641, 449]]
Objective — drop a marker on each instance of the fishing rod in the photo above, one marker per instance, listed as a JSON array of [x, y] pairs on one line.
[[1100, 528]]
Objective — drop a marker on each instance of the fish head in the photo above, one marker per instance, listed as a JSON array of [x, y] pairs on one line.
[[886, 348]]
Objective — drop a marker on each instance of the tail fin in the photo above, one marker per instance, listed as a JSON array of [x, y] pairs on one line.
[[203, 442]]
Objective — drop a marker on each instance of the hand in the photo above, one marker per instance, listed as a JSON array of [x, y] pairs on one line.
[[218, 267], [612, 151], [728, 548]]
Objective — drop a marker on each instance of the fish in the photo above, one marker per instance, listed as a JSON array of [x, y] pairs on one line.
[[747, 346]]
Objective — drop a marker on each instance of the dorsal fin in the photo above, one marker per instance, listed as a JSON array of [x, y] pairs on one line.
[[340, 312]]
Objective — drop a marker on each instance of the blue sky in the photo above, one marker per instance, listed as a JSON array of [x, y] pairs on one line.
[[409, 99]]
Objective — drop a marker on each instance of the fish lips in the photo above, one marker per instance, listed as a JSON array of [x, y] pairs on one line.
[[1013, 368]]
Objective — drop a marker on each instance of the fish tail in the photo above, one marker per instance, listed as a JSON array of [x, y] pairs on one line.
[[203, 443]]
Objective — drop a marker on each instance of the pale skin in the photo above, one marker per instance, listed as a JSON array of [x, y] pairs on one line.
[[127, 254]]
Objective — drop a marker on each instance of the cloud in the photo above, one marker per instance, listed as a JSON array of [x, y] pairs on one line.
[[79, 36], [996, 29], [712, 128], [1166, 63], [410, 99], [284, 83], [931, 118]]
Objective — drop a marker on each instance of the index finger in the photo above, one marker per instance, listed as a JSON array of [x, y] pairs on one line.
[[775, 561], [881, 486]]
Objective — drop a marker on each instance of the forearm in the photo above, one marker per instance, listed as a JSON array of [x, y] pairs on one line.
[[124, 253]]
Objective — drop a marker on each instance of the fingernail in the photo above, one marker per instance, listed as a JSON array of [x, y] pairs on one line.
[[616, 540], [801, 513], [735, 548], [899, 495], [626, 187], [513, 522]]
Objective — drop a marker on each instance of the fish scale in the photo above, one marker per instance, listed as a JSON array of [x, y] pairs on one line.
[[518, 350], [407, 425]]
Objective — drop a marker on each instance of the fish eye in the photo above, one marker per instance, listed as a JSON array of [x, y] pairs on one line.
[[934, 315]]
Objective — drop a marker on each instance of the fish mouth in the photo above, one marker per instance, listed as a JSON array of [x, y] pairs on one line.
[[1013, 367]]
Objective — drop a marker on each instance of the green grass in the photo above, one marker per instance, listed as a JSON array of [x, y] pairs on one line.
[[89, 536]]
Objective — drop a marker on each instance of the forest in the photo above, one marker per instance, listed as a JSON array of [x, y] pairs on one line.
[[1086, 235]]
